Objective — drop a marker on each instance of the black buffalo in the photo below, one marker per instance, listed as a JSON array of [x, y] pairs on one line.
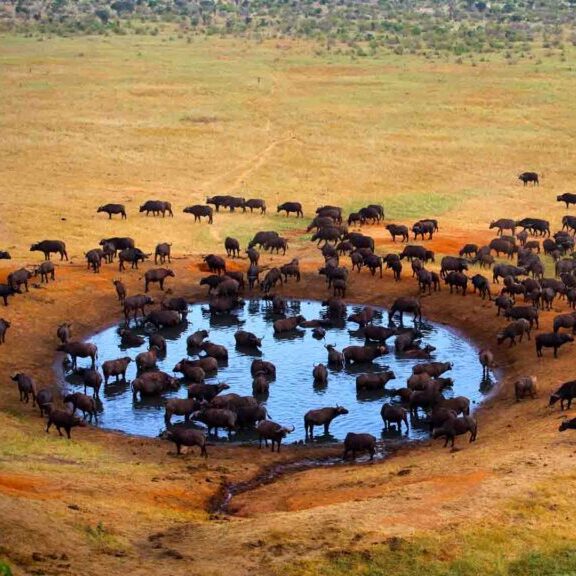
[[199, 211], [157, 207], [529, 177], [288, 207], [113, 209], [50, 246]]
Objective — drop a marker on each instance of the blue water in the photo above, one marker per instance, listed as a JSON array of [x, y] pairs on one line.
[[292, 394]]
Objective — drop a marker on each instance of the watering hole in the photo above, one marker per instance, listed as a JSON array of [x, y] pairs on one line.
[[292, 394]]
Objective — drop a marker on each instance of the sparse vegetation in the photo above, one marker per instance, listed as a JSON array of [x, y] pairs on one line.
[[462, 28]]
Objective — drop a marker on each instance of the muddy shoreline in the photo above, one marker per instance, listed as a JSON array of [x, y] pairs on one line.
[[119, 412]]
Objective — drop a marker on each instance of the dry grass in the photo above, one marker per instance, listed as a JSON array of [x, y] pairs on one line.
[[90, 120]]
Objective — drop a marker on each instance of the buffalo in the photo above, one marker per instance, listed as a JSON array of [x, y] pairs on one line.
[[503, 224], [405, 304], [394, 415], [455, 427], [63, 419], [158, 275], [44, 399], [320, 375], [321, 417], [77, 350], [398, 230], [157, 207], [288, 207], [423, 227], [215, 351], [218, 201], [411, 251], [120, 290], [176, 304], [153, 384], [128, 339], [164, 318], [287, 324], [255, 204], [162, 252], [147, 360], [460, 404], [526, 177], [551, 340], [503, 246], [116, 368], [232, 247], [261, 238], [568, 198], [208, 364], [434, 369], [457, 280], [247, 339], [50, 246], [113, 209], [565, 321], [118, 243], [187, 437], [44, 270], [215, 263], [91, 379], [378, 333], [200, 211], [514, 330], [26, 387], [208, 392], [86, 404], [4, 325], [195, 340], [268, 430], [135, 304], [529, 313], [94, 259], [363, 354], [260, 385], [370, 382], [565, 393], [359, 443], [18, 278], [215, 418], [132, 255], [526, 386], [179, 407], [263, 366], [486, 359], [452, 264], [468, 250], [277, 244]]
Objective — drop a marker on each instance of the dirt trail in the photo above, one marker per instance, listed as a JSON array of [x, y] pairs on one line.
[[221, 184]]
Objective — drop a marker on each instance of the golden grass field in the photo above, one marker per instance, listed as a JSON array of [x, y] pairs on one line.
[[123, 119]]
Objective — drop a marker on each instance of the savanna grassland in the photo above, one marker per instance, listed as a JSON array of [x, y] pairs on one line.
[[95, 119]]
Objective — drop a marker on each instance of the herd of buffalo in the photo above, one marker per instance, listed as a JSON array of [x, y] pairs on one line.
[[526, 291]]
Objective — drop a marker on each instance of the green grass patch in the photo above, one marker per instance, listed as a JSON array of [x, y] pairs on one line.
[[533, 537], [425, 557], [104, 540]]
